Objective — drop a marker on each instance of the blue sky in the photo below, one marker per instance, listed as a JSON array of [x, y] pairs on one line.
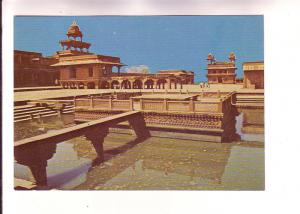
[[159, 42]]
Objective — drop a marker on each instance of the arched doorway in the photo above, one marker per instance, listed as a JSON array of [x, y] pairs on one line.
[[65, 85], [115, 84], [104, 85], [173, 83], [149, 84], [125, 84], [137, 84], [161, 83], [91, 85], [81, 85]]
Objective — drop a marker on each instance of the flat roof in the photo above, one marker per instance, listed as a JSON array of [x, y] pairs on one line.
[[85, 62]]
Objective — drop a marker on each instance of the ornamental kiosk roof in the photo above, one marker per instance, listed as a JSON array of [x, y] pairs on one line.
[[74, 30]]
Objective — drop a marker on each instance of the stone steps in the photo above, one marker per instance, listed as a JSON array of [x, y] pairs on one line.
[[69, 108], [28, 112], [21, 109], [34, 112], [250, 100]]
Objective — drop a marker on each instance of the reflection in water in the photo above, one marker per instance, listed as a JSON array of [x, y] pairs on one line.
[[156, 163]]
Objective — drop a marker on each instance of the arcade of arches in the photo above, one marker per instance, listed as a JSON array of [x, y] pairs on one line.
[[142, 82]]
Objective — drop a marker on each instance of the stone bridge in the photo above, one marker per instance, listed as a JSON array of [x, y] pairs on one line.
[[35, 151]]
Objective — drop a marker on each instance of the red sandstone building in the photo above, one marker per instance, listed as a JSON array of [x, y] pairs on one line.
[[221, 72], [81, 69], [32, 69], [253, 75]]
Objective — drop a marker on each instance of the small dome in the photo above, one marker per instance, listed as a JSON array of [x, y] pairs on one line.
[[210, 57], [74, 30], [232, 57]]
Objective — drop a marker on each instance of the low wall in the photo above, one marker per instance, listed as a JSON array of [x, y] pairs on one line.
[[214, 117], [198, 106]]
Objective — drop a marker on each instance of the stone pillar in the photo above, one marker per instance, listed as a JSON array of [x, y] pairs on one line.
[[96, 136], [138, 124], [35, 156], [168, 84]]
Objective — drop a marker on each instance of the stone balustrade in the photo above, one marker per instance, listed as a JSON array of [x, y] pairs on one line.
[[196, 106]]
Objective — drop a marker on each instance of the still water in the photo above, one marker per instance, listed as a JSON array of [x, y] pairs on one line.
[[158, 163]]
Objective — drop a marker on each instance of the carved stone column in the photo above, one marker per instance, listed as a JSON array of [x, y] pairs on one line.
[[96, 136]]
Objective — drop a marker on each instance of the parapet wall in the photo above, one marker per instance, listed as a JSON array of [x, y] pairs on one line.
[[209, 116]]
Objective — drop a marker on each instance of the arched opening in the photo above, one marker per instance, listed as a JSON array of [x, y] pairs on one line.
[[126, 84], [179, 83], [104, 85], [137, 84], [161, 83], [91, 85], [149, 84], [81, 85], [115, 84], [173, 84], [71, 85], [65, 85]]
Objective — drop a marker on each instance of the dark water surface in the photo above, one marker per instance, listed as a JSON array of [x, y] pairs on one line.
[[156, 163]]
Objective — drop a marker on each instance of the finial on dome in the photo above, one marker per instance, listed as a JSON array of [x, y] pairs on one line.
[[74, 23], [74, 30]]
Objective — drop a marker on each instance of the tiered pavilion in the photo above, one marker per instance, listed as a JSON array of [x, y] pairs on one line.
[[81, 69]]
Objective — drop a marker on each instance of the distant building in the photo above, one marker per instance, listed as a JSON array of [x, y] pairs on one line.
[[221, 72], [32, 69], [81, 69], [253, 75]]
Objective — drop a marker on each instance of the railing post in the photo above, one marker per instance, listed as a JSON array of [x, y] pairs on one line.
[[74, 101], [192, 106], [165, 104], [92, 102], [131, 104], [110, 103], [141, 104]]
